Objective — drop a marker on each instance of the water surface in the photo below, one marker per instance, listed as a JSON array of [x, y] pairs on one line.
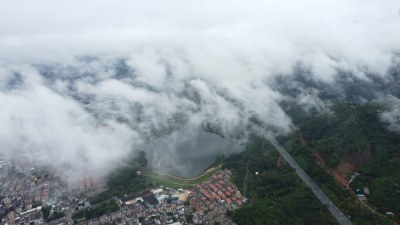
[[188, 151]]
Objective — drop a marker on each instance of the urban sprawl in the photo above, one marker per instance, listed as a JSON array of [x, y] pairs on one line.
[[40, 197]]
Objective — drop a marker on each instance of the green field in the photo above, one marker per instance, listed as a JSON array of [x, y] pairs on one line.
[[171, 181], [166, 183]]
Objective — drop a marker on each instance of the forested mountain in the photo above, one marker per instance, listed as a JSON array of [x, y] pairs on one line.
[[331, 147]]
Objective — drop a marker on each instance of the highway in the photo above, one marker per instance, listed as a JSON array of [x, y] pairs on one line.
[[335, 211]]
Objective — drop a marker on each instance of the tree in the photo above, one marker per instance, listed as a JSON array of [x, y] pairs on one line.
[[46, 212], [141, 159]]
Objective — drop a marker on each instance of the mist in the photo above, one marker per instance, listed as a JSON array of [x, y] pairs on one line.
[[83, 85]]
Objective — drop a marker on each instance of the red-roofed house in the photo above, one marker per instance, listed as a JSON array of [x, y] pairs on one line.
[[213, 187], [223, 196]]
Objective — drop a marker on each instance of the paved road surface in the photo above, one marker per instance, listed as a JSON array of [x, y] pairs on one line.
[[303, 175]]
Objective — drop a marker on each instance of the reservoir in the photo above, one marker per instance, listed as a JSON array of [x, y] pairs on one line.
[[187, 152]]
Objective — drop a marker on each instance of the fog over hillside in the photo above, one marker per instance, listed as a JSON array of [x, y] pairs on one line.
[[83, 84]]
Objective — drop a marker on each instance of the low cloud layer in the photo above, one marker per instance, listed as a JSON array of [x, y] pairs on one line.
[[392, 116], [83, 84]]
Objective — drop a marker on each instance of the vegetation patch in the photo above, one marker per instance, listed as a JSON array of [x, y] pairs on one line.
[[153, 174], [276, 195], [352, 137], [96, 211]]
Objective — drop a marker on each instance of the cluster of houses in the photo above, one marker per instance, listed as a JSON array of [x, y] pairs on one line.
[[157, 206], [22, 196], [217, 191]]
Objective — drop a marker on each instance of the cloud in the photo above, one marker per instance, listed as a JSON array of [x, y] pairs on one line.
[[47, 128], [265, 33], [85, 82], [392, 116]]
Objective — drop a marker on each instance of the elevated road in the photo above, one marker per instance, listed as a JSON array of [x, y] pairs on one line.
[[335, 211]]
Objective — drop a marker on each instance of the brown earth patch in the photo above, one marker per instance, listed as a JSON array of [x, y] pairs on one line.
[[346, 167], [349, 165], [318, 159], [279, 162], [302, 140], [343, 172], [341, 180]]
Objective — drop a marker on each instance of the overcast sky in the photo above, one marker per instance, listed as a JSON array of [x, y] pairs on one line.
[[222, 53], [278, 32]]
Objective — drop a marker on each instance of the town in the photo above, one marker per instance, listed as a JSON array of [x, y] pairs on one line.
[[40, 197]]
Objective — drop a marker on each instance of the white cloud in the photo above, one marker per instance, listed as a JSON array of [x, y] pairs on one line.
[[392, 116], [358, 33], [53, 129], [208, 60]]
